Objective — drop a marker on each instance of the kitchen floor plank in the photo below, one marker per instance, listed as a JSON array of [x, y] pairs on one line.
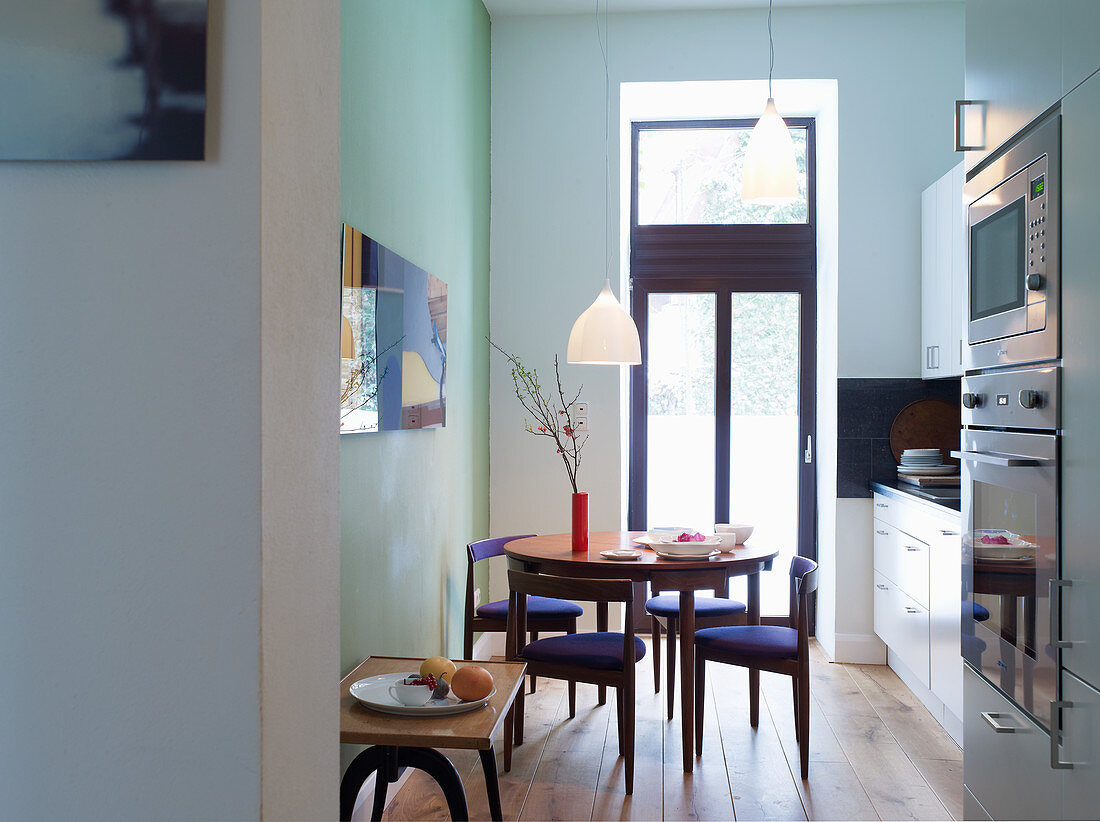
[[945, 777], [893, 783], [647, 801]]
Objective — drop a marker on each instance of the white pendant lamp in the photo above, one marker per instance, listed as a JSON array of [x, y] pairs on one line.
[[605, 334], [770, 174]]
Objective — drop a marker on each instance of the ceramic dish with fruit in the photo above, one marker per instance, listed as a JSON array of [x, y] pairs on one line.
[[440, 688], [688, 544]]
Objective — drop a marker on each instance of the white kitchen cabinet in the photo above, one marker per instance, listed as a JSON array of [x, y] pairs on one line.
[[917, 599], [943, 276]]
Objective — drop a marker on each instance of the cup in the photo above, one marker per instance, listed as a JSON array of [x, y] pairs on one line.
[[412, 696]]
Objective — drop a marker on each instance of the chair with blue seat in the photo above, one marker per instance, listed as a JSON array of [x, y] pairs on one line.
[[542, 614], [664, 611], [604, 658], [775, 648]]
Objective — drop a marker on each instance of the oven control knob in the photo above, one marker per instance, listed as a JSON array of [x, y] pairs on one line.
[[972, 400], [1030, 399], [1034, 282]]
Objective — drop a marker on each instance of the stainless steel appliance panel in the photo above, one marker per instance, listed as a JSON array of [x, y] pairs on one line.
[[1009, 487], [1006, 766], [1080, 748], [1022, 398], [1014, 253]]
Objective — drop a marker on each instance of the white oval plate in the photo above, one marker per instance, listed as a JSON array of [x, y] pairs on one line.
[[374, 693], [929, 471], [685, 556], [621, 554]]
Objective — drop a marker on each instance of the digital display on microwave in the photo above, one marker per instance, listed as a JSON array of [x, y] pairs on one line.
[[1038, 186]]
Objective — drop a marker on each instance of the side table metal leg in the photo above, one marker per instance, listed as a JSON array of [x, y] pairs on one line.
[[366, 763], [492, 786], [442, 770]]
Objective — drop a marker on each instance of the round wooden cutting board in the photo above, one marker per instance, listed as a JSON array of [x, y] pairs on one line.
[[927, 423]]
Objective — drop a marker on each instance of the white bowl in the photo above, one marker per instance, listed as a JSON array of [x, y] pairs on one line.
[[669, 545], [727, 542], [741, 531]]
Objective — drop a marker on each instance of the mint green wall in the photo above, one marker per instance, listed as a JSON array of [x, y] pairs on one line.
[[415, 177]]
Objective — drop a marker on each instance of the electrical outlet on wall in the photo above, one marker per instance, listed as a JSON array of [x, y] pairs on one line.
[[580, 409], [581, 423]]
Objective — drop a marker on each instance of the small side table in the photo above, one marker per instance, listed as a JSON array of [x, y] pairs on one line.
[[400, 742]]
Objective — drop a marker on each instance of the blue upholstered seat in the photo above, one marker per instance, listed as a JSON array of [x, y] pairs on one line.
[[974, 611], [537, 608], [601, 651], [668, 605], [973, 646], [771, 641]]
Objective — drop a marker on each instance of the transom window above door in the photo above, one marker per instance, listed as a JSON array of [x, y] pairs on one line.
[[689, 174]]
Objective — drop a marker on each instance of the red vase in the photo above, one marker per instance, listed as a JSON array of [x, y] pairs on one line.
[[580, 521]]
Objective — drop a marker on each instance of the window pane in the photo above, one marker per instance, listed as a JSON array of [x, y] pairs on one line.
[[765, 451], [692, 176], [680, 407]]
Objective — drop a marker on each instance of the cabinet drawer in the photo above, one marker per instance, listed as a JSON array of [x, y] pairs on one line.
[[912, 636], [886, 550], [886, 509], [886, 621], [1007, 771], [912, 558]]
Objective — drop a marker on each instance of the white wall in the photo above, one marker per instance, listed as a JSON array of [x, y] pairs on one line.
[[898, 69], [130, 464]]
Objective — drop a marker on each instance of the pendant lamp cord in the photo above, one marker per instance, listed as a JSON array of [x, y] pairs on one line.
[[771, 49], [602, 37]]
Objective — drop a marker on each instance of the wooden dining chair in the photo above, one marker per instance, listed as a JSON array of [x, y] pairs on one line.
[[605, 658], [543, 614], [664, 611], [782, 650]]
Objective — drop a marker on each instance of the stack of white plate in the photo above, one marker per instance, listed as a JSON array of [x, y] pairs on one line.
[[927, 462]]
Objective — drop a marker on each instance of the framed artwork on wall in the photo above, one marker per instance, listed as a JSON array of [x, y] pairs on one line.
[[393, 341], [103, 80]]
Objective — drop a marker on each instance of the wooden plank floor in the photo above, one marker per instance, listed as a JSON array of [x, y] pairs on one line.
[[875, 753]]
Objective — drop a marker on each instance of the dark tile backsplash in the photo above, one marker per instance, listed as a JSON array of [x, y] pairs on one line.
[[865, 410]]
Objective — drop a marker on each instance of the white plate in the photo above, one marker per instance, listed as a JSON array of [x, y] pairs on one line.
[[922, 452], [929, 471], [621, 554], [374, 693], [1014, 541], [684, 556], [650, 542], [1005, 557]]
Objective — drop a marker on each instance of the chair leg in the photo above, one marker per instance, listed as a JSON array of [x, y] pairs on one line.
[[619, 716], [804, 718], [534, 636], [672, 628], [754, 697], [655, 635], [794, 692], [468, 643], [572, 683], [518, 723], [700, 699], [628, 730]]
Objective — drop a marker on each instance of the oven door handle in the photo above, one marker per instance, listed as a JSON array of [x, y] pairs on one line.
[[1000, 460]]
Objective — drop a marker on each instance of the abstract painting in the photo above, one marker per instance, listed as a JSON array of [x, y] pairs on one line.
[[102, 79], [393, 341]]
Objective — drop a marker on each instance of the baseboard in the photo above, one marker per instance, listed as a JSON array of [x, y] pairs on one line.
[[860, 649], [489, 644], [951, 723]]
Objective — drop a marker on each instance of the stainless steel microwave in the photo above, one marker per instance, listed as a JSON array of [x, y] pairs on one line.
[[1013, 245]]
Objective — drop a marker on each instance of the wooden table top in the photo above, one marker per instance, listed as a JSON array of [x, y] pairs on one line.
[[554, 553], [474, 730]]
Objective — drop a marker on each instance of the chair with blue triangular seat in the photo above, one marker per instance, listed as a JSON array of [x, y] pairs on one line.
[[775, 648]]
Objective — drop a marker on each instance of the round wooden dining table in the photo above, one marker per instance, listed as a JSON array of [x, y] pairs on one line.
[[553, 554]]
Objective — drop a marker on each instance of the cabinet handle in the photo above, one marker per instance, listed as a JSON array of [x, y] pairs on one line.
[[959, 105], [881, 587], [882, 533], [960, 352], [948, 533], [912, 548], [991, 718], [909, 610], [882, 505], [1055, 603], [1056, 734]]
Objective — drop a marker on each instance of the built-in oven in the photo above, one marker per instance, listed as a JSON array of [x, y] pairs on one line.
[[1013, 243], [1009, 457]]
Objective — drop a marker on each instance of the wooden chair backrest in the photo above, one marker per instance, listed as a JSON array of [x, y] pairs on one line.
[[803, 575]]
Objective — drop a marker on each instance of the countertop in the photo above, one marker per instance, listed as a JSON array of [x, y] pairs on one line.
[[942, 499]]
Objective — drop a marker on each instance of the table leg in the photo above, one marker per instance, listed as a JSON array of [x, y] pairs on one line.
[[753, 618], [601, 625], [687, 675], [492, 786], [387, 761]]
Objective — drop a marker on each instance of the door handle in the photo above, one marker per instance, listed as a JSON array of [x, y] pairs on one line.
[[809, 455], [1056, 733], [959, 106], [1000, 460], [1054, 595], [991, 718]]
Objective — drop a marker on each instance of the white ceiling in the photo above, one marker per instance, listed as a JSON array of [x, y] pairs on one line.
[[512, 8]]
